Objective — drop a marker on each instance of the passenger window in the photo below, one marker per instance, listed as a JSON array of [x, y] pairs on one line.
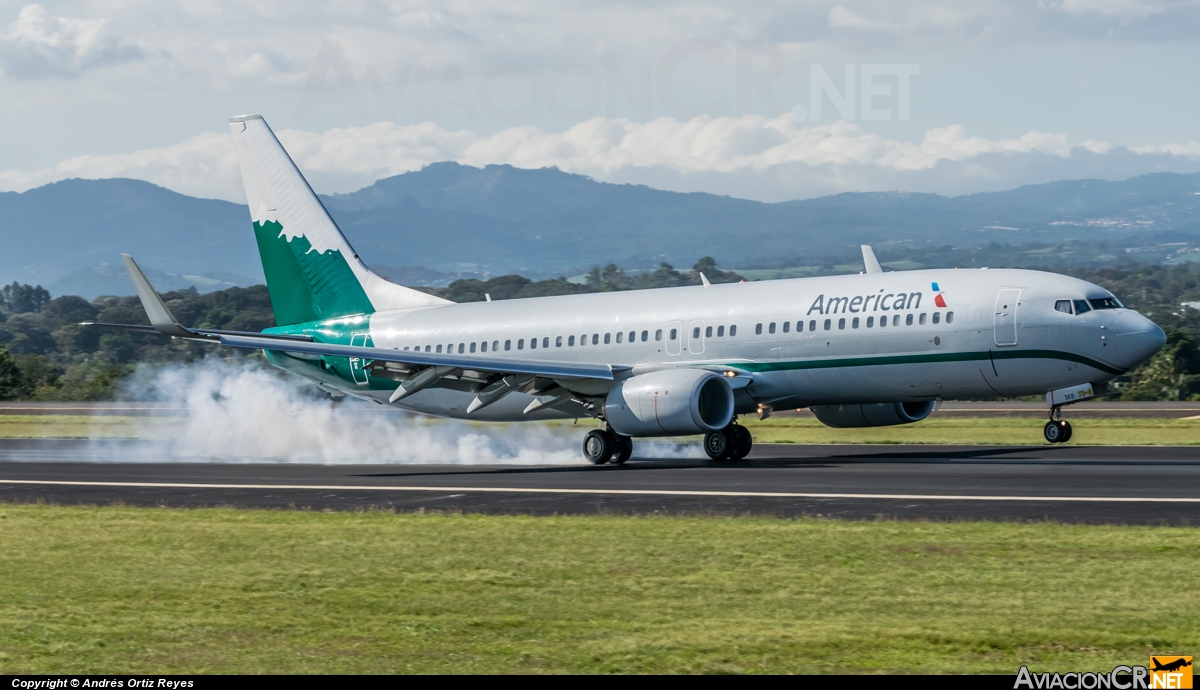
[[720, 331], [799, 326], [507, 345], [812, 325], [854, 323], [495, 345], [949, 317], [787, 325], [674, 334], [921, 320], [461, 348], [439, 349], [870, 321], [841, 324], [521, 344], [607, 338], [1063, 305], [620, 336], [583, 340], [406, 348], [595, 338], [708, 332], [758, 329], [571, 341], [546, 342], [632, 336], [696, 332], [472, 348], [558, 341], [828, 324], [1081, 307], [533, 343], [657, 335], [908, 319], [896, 320], [937, 316], [483, 346], [732, 331], [771, 328]]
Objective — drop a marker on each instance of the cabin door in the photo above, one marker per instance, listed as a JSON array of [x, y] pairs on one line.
[[1006, 317], [696, 337]]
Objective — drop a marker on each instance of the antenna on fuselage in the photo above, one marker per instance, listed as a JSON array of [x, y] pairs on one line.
[[869, 259]]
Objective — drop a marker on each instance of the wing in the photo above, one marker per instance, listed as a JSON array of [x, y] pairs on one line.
[[491, 377]]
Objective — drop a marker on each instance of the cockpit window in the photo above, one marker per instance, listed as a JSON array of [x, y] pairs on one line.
[[1105, 303], [1063, 305], [1081, 306]]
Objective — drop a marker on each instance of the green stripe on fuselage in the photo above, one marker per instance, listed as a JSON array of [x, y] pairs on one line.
[[306, 285], [931, 358]]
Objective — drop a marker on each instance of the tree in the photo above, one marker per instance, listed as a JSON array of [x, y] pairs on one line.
[[10, 377], [1172, 374], [22, 299]]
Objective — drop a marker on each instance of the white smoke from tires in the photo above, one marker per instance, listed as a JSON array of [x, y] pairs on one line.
[[247, 412]]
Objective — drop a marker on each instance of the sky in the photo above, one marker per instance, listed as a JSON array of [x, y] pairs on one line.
[[763, 100]]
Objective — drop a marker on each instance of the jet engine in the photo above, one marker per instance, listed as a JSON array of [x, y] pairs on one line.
[[877, 414], [670, 403]]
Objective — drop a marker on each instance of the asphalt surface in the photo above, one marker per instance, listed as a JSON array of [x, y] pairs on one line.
[[1122, 485]]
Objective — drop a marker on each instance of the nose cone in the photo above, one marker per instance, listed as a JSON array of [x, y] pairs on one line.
[[1137, 339]]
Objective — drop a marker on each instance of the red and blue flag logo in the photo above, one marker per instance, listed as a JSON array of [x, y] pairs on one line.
[[937, 296]]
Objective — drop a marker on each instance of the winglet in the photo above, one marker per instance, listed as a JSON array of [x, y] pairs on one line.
[[869, 259], [160, 316], [704, 280]]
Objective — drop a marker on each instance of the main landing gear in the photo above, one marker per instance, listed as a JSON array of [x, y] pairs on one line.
[[602, 446], [1057, 430], [731, 443]]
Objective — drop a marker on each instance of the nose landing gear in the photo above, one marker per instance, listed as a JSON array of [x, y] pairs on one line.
[[1057, 430]]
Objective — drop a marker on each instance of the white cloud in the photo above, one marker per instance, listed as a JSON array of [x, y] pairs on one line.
[[844, 18], [37, 45], [757, 157]]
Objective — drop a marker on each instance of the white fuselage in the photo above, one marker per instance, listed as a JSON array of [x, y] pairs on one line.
[[801, 342]]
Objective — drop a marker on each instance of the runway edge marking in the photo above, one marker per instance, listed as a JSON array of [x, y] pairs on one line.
[[618, 492]]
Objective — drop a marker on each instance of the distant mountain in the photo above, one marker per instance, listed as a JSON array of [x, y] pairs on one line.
[[460, 220]]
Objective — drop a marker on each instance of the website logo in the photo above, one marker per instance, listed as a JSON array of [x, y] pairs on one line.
[[1168, 671]]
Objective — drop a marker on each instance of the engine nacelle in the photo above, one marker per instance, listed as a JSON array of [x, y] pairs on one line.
[[877, 414], [673, 402]]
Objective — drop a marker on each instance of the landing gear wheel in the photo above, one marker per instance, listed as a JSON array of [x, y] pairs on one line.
[[744, 442], [1057, 431], [598, 446], [623, 449], [720, 445]]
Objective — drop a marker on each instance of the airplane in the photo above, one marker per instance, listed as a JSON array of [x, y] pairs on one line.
[[873, 349]]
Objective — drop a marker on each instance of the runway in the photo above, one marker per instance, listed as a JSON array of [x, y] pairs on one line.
[[1123, 485]]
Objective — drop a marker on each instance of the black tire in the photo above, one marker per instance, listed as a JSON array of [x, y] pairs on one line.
[[719, 445], [1066, 431], [744, 442], [1053, 432], [622, 450], [598, 446]]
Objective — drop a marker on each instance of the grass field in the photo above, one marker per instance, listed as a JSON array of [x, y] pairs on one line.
[[935, 430], [132, 590], [981, 431]]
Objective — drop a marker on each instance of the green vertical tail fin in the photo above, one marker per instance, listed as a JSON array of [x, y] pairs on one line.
[[312, 271]]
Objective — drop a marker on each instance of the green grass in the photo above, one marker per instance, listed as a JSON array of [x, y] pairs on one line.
[[980, 431], [83, 426], [140, 590]]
